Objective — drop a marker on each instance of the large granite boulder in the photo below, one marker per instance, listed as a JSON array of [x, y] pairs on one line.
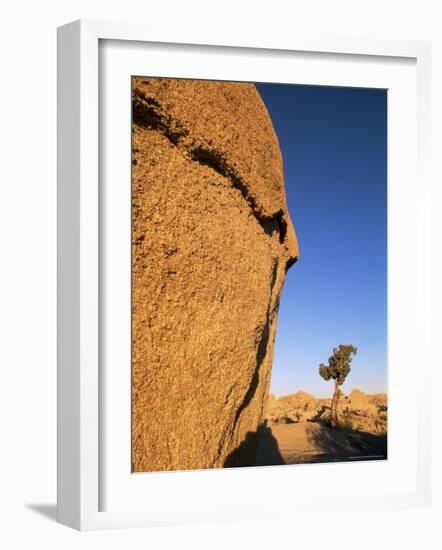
[[357, 402], [211, 243]]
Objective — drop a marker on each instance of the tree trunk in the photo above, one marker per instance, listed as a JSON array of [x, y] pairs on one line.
[[334, 406]]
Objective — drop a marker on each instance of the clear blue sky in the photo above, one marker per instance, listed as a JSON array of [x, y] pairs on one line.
[[334, 146]]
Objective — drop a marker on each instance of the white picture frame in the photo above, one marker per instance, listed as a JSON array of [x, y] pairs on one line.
[[79, 367]]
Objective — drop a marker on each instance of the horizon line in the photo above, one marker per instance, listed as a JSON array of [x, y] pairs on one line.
[[328, 395]]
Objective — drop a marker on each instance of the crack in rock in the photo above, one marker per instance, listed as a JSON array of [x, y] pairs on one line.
[[147, 112]]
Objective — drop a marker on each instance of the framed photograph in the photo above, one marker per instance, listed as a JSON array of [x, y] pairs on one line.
[[236, 227]]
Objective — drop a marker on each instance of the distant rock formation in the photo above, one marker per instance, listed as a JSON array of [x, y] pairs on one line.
[[357, 411], [211, 243], [295, 407]]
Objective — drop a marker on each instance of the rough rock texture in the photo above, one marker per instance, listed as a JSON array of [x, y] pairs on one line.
[[211, 243], [295, 407], [359, 403]]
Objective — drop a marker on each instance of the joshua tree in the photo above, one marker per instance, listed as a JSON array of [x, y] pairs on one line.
[[337, 369]]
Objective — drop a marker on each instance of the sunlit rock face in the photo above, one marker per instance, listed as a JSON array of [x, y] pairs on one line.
[[211, 243]]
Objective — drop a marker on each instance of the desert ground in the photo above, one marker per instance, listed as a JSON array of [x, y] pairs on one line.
[[295, 430]]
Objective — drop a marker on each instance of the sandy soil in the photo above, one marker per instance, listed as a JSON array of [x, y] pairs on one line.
[[308, 442]]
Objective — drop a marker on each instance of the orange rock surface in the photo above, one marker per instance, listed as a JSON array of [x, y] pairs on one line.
[[211, 243]]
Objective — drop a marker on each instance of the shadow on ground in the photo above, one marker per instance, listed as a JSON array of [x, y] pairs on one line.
[[259, 448], [335, 444], [49, 511], [268, 452], [304, 443]]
